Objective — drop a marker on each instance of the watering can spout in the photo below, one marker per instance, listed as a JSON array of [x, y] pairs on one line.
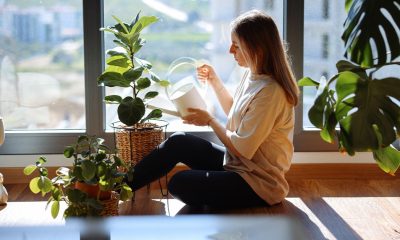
[[183, 94]]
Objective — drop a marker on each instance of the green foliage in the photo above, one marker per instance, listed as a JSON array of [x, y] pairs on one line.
[[94, 164], [368, 22], [125, 70], [365, 107]]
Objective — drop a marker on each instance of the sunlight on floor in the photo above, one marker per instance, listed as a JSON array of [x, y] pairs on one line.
[[172, 206]]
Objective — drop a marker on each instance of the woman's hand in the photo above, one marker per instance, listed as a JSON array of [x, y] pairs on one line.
[[197, 117], [207, 73]]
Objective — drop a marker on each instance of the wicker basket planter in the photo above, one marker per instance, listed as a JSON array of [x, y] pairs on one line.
[[110, 206], [135, 142]]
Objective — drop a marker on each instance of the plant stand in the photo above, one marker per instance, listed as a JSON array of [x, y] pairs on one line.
[[135, 142]]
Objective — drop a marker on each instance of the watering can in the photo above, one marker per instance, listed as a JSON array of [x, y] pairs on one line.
[[183, 94]]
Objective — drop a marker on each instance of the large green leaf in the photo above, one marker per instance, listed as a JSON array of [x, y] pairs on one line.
[[370, 104], [388, 159], [143, 22], [88, 169], [131, 110], [34, 185], [368, 20], [133, 74], [113, 79], [316, 112], [119, 60], [143, 83]]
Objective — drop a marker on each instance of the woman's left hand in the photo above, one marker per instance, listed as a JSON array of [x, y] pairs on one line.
[[197, 117]]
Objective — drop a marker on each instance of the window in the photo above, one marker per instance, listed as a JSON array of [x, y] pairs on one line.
[[325, 9], [319, 62], [325, 46], [41, 65], [63, 55], [188, 29]]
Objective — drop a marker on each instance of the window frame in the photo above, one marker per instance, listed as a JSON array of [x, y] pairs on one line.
[[53, 142]]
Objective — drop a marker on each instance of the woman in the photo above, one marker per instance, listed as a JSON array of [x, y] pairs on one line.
[[250, 169]]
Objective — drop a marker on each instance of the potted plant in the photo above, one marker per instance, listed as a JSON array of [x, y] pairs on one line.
[[136, 135], [363, 98], [89, 187]]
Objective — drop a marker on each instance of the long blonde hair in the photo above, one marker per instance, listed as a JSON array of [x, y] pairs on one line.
[[264, 49]]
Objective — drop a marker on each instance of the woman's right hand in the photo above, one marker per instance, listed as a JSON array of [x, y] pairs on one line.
[[207, 73]]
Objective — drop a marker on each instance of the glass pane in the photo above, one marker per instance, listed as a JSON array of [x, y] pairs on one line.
[[41, 65], [187, 30], [323, 47]]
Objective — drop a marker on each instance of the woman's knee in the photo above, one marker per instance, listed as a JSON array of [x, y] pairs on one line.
[[178, 184], [176, 138]]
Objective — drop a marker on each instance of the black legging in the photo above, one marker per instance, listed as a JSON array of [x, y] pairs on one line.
[[207, 183]]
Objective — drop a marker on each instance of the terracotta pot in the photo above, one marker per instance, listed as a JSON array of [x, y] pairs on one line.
[[93, 190]]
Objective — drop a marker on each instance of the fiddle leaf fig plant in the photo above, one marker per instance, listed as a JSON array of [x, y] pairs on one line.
[[93, 165], [363, 104], [124, 69]]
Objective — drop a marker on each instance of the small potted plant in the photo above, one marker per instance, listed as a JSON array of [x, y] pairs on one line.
[[136, 136], [91, 187]]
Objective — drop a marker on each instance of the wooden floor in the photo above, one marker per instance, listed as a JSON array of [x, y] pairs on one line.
[[328, 209]]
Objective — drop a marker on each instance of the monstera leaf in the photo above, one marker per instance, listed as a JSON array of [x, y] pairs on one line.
[[374, 20], [366, 104], [366, 110]]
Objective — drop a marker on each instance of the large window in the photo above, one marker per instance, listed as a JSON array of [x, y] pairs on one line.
[[51, 54], [41, 65], [187, 30]]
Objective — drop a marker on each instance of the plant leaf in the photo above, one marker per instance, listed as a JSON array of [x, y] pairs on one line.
[[119, 60], [34, 185], [88, 169], [28, 170], [370, 105], [151, 94], [143, 63], [55, 209], [388, 159], [154, 76], [143, 22], [113, 79], [143, 83], [126, 192], [40, 161], [155, 114], [306, 81], [316, 112], [131, 110], [121, 24], [164, 83], [133, 74], [366, 22], [113, 99], [75, 195], [69, 152]]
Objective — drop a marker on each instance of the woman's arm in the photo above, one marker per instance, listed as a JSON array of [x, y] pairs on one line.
[[207, 73], [223, 135], [200, 117]]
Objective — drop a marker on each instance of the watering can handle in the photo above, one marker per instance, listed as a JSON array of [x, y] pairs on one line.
[[187, 60]]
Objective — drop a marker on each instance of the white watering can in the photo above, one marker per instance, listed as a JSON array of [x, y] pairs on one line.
[[185, 93]]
